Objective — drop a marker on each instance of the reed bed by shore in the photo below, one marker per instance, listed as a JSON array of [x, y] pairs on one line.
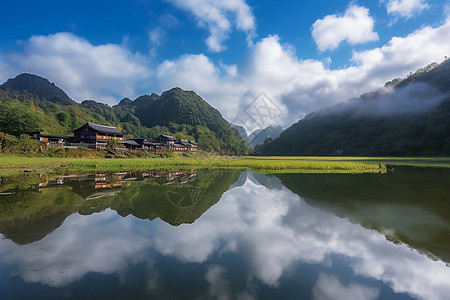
[[434, 162], [273, 164], [13, 164]]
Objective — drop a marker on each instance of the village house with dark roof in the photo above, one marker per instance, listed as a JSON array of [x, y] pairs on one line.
[[97, 137], [165, 139], [49, 138]]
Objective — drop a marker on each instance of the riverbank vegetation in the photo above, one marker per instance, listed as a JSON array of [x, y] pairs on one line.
[[14, 164], [265, 164]]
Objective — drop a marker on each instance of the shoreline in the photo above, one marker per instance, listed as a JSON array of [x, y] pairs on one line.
[[10, 165]]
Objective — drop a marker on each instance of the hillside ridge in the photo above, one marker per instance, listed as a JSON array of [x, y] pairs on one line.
[[29, 102]]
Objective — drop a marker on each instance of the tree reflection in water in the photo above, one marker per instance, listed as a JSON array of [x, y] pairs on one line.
[[259, 241]]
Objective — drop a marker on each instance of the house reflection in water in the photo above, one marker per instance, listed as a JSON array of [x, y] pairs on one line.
[[106, 184]]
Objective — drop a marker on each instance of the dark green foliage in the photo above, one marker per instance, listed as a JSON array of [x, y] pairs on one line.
[[186, 115], [11, 144], [18, 119], [112, 145], [426, 133], [29, 103]]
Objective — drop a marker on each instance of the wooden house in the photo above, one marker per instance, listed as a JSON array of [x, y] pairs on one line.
[[50, 139], [155, 148], [165, 139], [97, 136], [190, 145], [140, 141], [177, 147], [132, 145]]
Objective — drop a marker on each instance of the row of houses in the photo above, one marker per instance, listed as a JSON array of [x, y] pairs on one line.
[[98, 137]]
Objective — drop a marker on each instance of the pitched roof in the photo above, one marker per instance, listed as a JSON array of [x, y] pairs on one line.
[[153, 144], [56, 136], [187, 143], [168, 137], [102, 128], [131, 143], [179, 145]]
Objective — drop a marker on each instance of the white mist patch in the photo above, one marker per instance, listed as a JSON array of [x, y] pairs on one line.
[[414, 99]]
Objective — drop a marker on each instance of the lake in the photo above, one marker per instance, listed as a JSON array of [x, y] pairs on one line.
[[226, 234]]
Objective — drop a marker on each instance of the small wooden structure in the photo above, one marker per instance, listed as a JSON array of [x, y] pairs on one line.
[[50, 139], [165, 139], [339, 152], [98, 136]]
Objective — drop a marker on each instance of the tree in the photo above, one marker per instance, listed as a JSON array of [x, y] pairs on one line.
[[112, 146], [17, 120]]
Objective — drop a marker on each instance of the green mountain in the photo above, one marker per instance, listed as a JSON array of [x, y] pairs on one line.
[[406, 117], [260, 135], [29, 103], [38, 86]]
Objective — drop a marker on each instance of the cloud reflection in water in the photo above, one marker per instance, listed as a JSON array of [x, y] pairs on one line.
[[271, 230]]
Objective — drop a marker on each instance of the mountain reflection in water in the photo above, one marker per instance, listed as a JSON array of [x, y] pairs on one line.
[[28, 215], [260, 241]]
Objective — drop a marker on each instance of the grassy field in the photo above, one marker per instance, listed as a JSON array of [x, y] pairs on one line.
[[14, 164], [442, 162], [347, 165]]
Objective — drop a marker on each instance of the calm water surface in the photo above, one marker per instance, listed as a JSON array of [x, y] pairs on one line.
[[226, 235]]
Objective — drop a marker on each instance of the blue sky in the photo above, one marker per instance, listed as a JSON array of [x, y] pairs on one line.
[[302, 55]]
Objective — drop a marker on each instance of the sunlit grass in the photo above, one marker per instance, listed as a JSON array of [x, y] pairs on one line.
[[441, 162], [10, 164], [270, 164]]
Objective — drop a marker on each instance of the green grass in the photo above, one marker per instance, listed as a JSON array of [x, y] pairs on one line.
[[440, 162], [344, 165], [12, 164]]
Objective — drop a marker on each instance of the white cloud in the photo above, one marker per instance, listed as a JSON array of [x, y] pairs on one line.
[[156, 36], [329, 288], [301, 86], [406, 54], [82, 70], [297, 86], [355, 26], [73, 250], [219, 17], [275, 230], [405, 8], [271, 230]]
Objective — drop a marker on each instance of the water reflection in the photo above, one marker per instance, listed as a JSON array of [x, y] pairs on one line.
[[259, 241], [28, 215], [409, 205]]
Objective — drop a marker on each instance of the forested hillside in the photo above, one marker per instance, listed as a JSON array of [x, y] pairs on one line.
[[408, 116], [29, 103]]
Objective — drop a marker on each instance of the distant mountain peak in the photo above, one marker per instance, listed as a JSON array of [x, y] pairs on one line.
[[38, 86], [125, 101]]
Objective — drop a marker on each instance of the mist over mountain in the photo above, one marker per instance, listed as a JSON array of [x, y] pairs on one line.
[[29, 103], [241, 130], [258, 136], [408, 116]]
